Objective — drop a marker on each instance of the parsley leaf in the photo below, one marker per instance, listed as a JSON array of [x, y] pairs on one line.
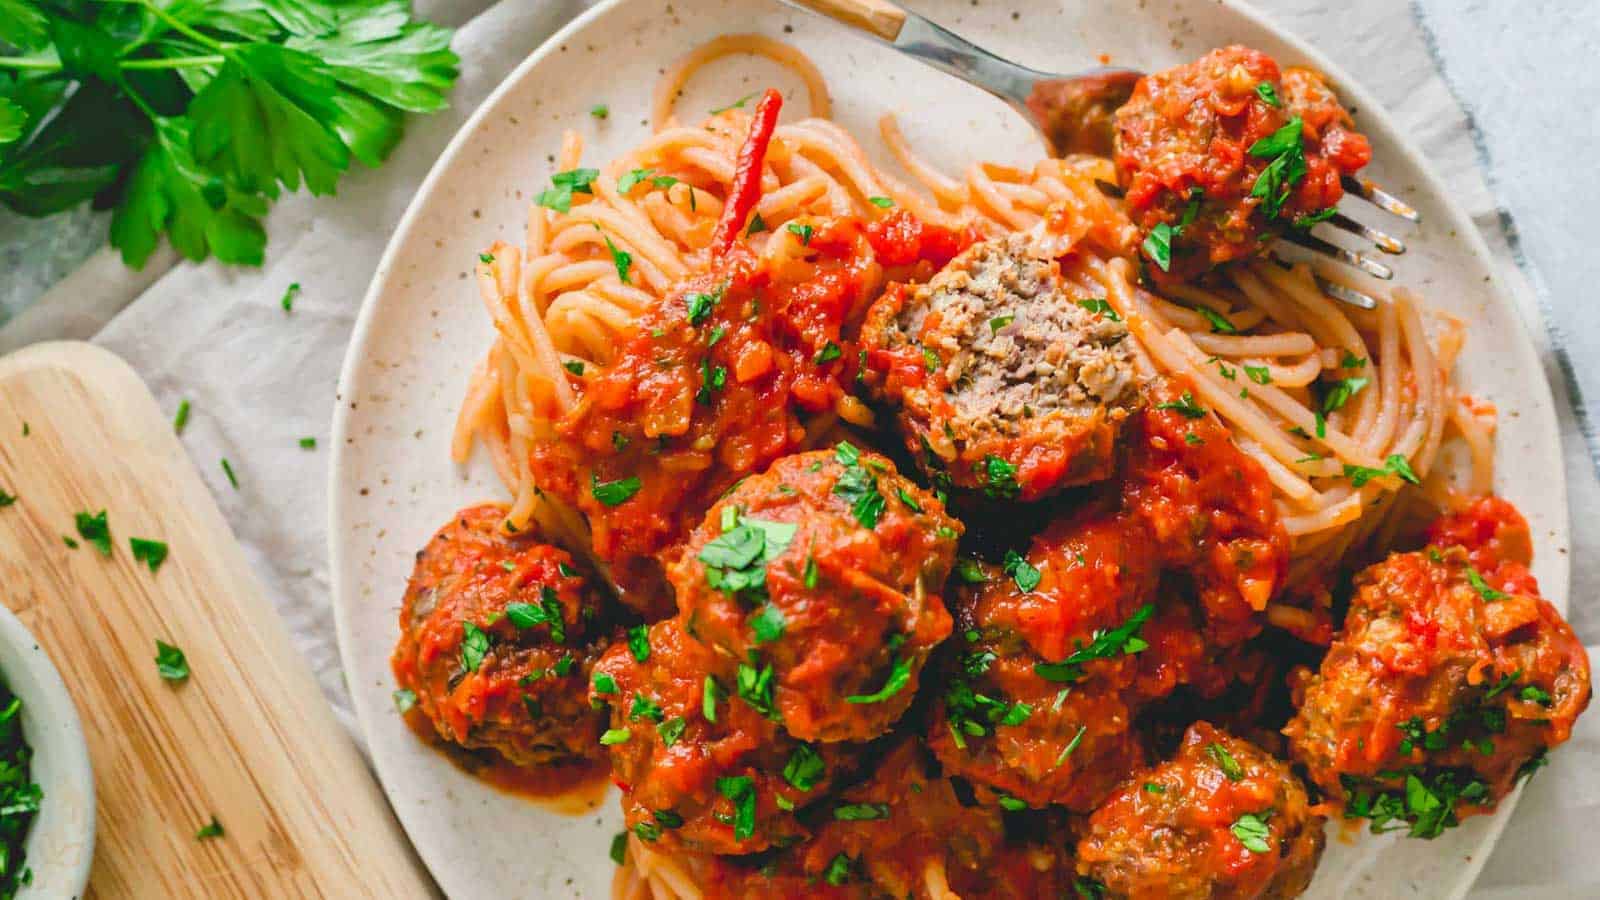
[[151, 553], [858, 486], [171, 664], [621, 259], [767, 623], [474, 646], [1230, 767], [639, 642], [1268, 94], [1184, 406], [564, 184], [212, 829], [805, 768], [860, 812], [1219, 324], [1158, 245], [1100, 306], [741, 790], [612, 493], [95, 529], [999, 477], [1021, 571], [803, 231], [899, 677], [1122, 640], [1251, 830]]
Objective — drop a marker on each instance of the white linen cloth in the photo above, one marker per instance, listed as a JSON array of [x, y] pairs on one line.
[[259, 379]]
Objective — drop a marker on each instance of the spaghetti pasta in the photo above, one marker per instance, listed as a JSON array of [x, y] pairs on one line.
[[1342, 408]]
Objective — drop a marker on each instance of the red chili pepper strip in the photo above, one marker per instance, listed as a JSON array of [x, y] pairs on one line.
[[746, 190]]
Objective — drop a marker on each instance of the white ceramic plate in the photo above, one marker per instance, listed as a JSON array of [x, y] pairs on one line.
[[422, 329]]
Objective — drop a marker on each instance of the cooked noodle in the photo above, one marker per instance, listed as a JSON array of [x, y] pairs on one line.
[[1253, 348]]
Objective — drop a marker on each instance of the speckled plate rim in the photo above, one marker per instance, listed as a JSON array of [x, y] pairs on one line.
[[1537, 423]]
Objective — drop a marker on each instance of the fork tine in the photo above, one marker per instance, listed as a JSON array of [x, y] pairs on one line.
[[1331, 288], [1385, 242], [1361, 261], [1382, 199]]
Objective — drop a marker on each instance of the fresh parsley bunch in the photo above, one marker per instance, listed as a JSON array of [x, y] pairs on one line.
[[188, 116]]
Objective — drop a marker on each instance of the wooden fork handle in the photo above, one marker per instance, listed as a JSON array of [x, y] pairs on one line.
[[879, 18]]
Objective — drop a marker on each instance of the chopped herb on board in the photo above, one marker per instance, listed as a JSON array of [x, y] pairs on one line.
[[308, 443], [212, 829], [95, 529], [227, 469], [151, 553], [182, 418], [171, 663], [289, 293], [600, 111], [6, 499]]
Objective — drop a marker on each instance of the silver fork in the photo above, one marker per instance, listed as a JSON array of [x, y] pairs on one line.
[[1073, 113]]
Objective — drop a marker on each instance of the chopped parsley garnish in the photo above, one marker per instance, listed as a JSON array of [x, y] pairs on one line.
[[1395, 465], [474, 645], [1088, 888], [1230, 767], [999, 322], [1017, 714], [737, 104], [404, 699], [700, 305], [757, 225], [6, 499], [671, 730], [811, 574], [803, 231], [754, 686], [1158, 245], [171, 664], [838, 871], [999, 477], [644, 708], [95, 529], [910, 501], [1268, 94], [548, 612], [767, 623], [1275, 183], [1259, 374], [1071, 746], [227, 469], [829, 352], [1184, 406], [858, 486], [1322, 215], [805, 768], [621, 259], [881, 202], [860, 812], [600, 111], [486, 258], [639, 642], [741, 790], [970, 571], [736, 560], [1119, 641], [604, 683], [712, 379], [151, 553], [564, 665], [630, 180], [930, 359], [647, 831], [1021, 571], [614, 736], [612, 493], [1352, 361], [1100, 306], [287, 302], [1535, 694], [619, 847], [1251, 830], [564, 185], [308, 443], [1341, 392], [1219, 323], [666, 818], [1482, 587], [1192, 439], [1012, 804], [899, 677], [181, 420], [1150, 787], [708, 698], [575, 366], [1426, 802], [212, 829]]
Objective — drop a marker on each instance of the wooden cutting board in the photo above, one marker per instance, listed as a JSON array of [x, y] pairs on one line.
[[248, 738]]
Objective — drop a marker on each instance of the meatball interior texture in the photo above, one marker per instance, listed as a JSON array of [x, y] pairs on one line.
[[1208, 507], [1451, 680], [700, 767], [1220, 153], [1221, 820], [1007, 379], [823, 577], [1052, 670], [497, 635]]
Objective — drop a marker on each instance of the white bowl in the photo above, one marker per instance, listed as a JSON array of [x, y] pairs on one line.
[[60, 843]]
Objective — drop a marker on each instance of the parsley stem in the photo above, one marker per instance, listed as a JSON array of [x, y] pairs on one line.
[[181, 27], [173, 62], [29, 62]]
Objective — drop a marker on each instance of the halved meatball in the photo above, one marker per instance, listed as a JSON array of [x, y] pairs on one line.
[[700, 767], [496, 642], [1223, 152], [1006, 378], [821, 577], [1208, 507], [1221, 820], [1447, 685]]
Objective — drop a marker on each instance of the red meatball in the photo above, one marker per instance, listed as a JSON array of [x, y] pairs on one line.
[[496, 641], [822, 577], [1447, 684], [699, 768], [1035, 707], [906, 831], [1221, 820], [1220, 153], [1208, 507], [1005, 378]]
